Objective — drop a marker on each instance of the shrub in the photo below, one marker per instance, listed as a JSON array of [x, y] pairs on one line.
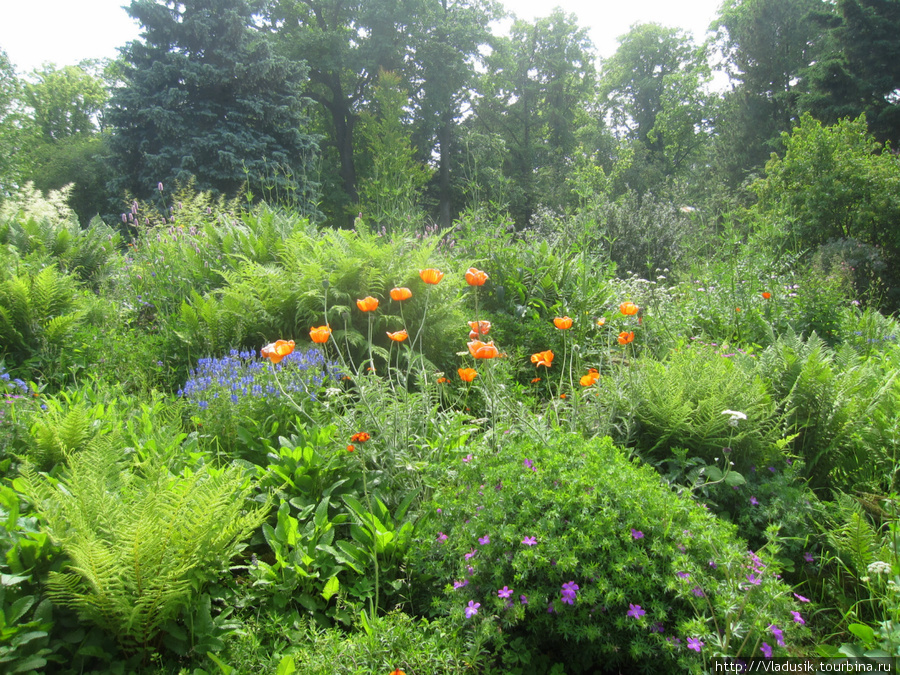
[[569, 544]]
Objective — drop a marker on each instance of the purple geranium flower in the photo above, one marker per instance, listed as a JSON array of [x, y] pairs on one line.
[[753, 579], [766, 650], [459, 584], [683, 575], [754, 501], [635, 611], [523, 599], [468, 458], [504, 592], [695, 644], [778, 633], [801, 598], [529, 541], [485, 540], [471, 554], [637, 534], [808, 557], [568, 592], [472, 609], [797, 617], [696, 590], [441, 537]]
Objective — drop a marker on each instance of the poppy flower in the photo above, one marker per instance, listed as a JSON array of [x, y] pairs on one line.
[[562, 322], [467, 374], [625, 338], [628, 308], [535, 379], [277, 350], [590, 378], [442, 380], [543, 359], [399, 336], [360, 437], [476, 277], [320, 334], [400, 294], [398, 672], [367, 304], [766, 295], [479, 328], [483, 350], [431, 276], [601, 321]]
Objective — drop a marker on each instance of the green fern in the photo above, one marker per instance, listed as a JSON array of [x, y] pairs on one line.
[[140, 543]]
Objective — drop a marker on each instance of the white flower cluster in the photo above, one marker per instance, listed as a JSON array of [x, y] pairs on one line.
[[879, 567], [736, 416]]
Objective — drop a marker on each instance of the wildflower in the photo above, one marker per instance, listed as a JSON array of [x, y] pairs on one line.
[[695, 644], [470, 554], [778, 633], [636, 534], [754, 501], [629, 308], [626, 337], [635, 611], [400, 294], [736, 416], [529, 541], [504, 592], [360, 437], [766, 650], [601, 321], [476, 277], [589, 379], [529, 465], [399, 336], [351, 448], [485, 540], [535, 380], [472, 609], [479, 328], [801, 598], [441, 537], [766, 295], [808, 557], [753, 579], [568, 592], [483, 350], [468, 458], [443, 380], [460, 584], [683, 575], [562, 322], [797, 617], [277, 350], [523, 599], [367, 304], [544, 358], [397, 671], [431, 276], [697, 591], [467, 374]]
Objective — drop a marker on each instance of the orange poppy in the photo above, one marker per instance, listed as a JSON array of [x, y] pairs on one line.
[[351, 448], [397, 672], [476, 277], [590, 378], [467, 374], [562, 322], [601, 321], [367, 304], [483, 350], [360, 437], [543, 359], [431, 276], [320, 334], [629, 308], [277, 350], [766, 295], [443, 380], [562, 396], [625, 338], [536, 379], [399, 336], [400, 294], [479, 328]]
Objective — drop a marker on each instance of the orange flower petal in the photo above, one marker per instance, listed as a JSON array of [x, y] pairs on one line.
[[562, 322], [625, 338], [399, 336], [544, 358], [400, 294], [475, 277], [367, 304], [320, 334], [629, 308], [431, 276], [467, 374]]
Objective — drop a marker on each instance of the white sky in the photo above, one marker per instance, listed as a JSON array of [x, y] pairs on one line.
[[64, 32]]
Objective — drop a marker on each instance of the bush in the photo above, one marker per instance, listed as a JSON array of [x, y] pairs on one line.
[[569, 544]]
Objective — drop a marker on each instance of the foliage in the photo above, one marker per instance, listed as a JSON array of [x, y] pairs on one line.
[[141, 541], [507, 531]]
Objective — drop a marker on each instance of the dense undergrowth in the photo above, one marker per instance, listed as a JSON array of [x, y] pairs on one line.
[[537, 460]]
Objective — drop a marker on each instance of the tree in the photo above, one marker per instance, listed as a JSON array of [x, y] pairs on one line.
[[10, 127], [537, 81], [205, 96], [859, 71], [652, 90], [766, 44]]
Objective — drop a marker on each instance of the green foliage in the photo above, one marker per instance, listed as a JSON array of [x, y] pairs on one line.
[[140, 540], [613, 530]]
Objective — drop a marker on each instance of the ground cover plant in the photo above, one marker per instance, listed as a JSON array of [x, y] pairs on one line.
[[243, 442]]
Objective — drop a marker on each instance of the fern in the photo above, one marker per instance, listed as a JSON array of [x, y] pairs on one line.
[[140, 543]]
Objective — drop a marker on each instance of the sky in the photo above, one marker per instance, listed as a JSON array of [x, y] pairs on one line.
[[64, 32]]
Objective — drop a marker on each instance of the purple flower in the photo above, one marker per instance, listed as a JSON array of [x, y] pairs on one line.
[[504, 592], [551, 609], [470, 570], [797, 617], [754, 501], [459, 584], [529, 541], [441, 537], [657, 628], [472, 609], [568, 592], [808, 557], [801, 598], [696, 590], [683, 575], [778, 633], [471, 554], [523, 599], [637, 534], [695, 644], [468, 458], [766, 650], [529, 464], [712, 564], [753, 579], [485, 540], [635, 611]]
